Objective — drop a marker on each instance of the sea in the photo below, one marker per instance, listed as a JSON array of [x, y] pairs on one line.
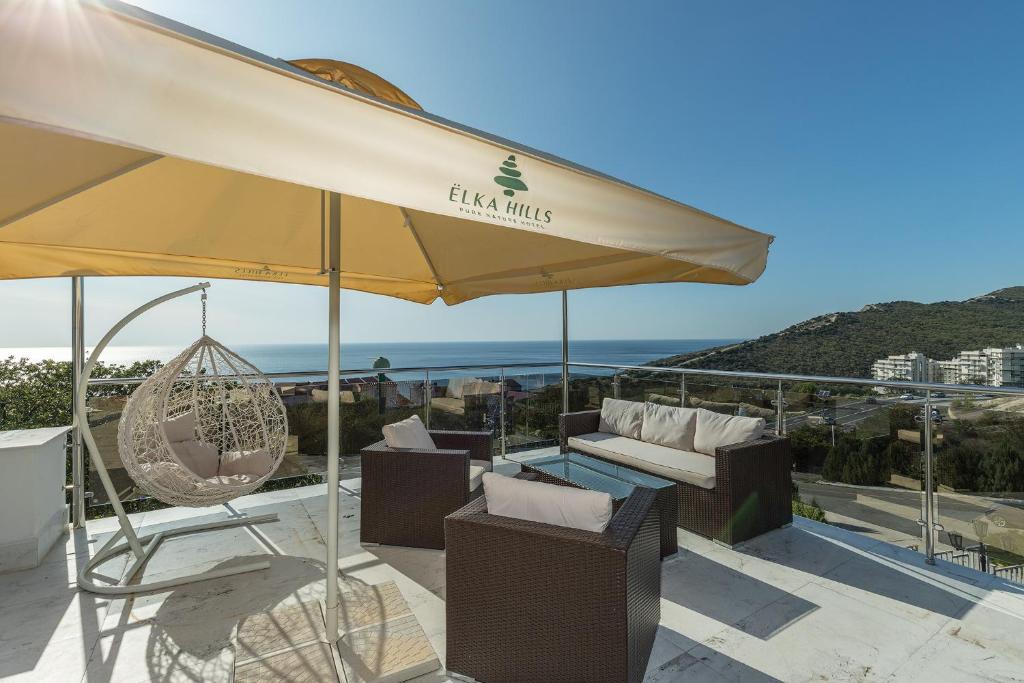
[[312, 358]]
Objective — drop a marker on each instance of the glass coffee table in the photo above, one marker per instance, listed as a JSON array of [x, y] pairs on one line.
[[583, 471]]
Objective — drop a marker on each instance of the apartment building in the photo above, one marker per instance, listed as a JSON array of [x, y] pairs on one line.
[[990, 367], [909, 367]]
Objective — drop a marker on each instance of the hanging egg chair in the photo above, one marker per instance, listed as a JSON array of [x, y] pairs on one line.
[[205, 428]]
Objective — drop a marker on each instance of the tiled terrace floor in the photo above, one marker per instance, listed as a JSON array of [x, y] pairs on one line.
[[811, 602]]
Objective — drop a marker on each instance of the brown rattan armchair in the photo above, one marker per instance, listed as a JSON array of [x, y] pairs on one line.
[[527, 601], [407, 493], [752, 493]]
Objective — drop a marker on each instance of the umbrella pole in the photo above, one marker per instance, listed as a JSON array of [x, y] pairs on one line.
[[333, 411], [565, 351], [77, 362]]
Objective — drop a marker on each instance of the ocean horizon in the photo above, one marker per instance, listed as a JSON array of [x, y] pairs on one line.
[[312, 357]]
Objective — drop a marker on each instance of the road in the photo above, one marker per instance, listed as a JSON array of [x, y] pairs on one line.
[[898, 510], [856, 411]]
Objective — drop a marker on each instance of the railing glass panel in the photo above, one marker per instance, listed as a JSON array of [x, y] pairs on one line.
[[859, 448], [532, 404], [979, 476]]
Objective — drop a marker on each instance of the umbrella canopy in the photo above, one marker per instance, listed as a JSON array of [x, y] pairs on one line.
[[134, 145]]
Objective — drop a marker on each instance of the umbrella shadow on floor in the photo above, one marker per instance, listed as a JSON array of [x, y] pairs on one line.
[[192, 629]]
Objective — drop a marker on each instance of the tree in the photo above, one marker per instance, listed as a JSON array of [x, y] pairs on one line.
[[905, 460], [902, 417], [870, 464], [810, 446], [957, 466], [1001, 470], [838, 457], [39, 394]]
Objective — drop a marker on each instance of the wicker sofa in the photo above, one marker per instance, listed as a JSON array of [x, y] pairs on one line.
[[406, 494], [583, 606], [745, 492]]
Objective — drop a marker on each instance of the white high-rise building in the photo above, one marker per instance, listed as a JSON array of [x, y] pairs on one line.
[[996, 367], [909, 367], [1006, 366]]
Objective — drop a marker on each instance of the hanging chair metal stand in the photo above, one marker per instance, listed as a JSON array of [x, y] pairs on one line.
[[126, 540]]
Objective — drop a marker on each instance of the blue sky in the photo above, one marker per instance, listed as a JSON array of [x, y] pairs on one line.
[[880, 142]]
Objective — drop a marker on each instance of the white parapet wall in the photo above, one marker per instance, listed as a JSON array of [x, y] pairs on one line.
[[33, 514]]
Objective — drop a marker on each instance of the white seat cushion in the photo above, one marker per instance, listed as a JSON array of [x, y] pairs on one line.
[[669, 426], [476, 476], [715, 430], [409, 433], [251, 463], [198, 456], [624, 418], [694, 468], [548, 503]]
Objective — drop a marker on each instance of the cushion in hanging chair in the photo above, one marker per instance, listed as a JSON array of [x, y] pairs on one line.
[[181, 428], [198, 456], [253, 464]]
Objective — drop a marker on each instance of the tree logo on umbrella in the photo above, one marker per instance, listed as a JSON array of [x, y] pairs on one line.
[[510, 177]]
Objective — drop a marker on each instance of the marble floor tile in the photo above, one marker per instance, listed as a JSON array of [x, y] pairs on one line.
[[810, 602]]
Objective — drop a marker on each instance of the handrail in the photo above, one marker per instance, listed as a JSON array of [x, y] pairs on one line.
[[734, 374], [816, 379], [100, 381]]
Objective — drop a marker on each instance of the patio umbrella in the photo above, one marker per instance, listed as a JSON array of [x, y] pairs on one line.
[[134, 145]]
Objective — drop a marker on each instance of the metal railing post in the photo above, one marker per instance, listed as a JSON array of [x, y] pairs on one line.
[[501, 413], [77, 363], [428, 393], [780, 411], [929, 493], [682, 391], [565, 351], [616, 387]]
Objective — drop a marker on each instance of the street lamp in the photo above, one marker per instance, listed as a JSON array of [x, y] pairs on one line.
[[381, 363]]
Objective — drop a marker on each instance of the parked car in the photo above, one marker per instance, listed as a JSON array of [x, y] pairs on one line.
[[907, 397]]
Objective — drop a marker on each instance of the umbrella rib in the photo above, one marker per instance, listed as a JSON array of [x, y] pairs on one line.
[[419, 243], [135, 165]]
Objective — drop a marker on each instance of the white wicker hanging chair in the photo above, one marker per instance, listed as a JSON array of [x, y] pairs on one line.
[[204, 429]]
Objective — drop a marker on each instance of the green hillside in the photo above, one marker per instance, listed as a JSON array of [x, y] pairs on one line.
[[846, 344]]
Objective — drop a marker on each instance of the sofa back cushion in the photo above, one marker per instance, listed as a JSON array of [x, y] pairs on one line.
[[669, 426], [548, 503], [715, 430], [625, 418], [409, 433]]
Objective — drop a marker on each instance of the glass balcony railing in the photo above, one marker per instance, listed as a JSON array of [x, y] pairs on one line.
[[864, 451]]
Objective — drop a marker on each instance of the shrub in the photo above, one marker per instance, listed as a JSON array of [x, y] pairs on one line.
[[810, 446]]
